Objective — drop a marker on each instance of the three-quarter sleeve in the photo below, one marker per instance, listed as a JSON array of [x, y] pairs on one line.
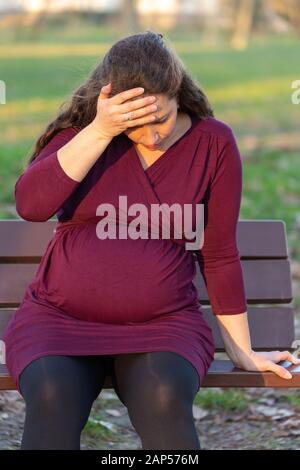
[[44, 186], [219, 258]]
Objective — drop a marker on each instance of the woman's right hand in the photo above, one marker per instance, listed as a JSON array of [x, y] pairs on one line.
[[109, 120]]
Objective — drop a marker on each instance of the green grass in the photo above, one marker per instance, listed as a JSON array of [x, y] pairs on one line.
[[293, 399], [271, 190], [95, 428], [226, 400], [250, 90]]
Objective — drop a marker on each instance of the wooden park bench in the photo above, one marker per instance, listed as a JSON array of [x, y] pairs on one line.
[[264, 254]]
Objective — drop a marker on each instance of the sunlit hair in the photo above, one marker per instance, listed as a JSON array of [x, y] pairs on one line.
[[139, 60]]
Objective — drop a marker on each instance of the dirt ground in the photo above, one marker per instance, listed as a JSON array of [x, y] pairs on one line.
[[271, 423]]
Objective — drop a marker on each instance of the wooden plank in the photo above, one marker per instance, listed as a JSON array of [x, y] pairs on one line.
[[265, 281], [262, 238], [270, 280], [6, 380], [221, 373], [270, 327], [22, 241], [5, 315], [14, 279], [277, 321]]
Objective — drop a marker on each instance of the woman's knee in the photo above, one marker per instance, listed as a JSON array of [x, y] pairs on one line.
[[162, 378], [163, 399], [59, 383], [158, 384], [40, 392]]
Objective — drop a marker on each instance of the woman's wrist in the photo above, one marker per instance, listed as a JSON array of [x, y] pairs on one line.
[[98, 132], [243, 359], [235, 332]]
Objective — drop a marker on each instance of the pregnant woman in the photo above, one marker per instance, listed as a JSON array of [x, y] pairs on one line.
[[139, 128]]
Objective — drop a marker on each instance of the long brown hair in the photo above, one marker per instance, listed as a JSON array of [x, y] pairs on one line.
[[139, 60]]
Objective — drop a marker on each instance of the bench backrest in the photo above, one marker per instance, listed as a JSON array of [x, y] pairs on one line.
[[265, 262]]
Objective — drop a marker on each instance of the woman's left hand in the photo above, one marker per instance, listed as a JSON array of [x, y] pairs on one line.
[[264, 361]]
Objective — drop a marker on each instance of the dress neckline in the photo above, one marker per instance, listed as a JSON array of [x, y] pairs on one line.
[[169, 150]]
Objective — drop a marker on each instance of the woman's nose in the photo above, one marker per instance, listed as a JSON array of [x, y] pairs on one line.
[[151, 137]]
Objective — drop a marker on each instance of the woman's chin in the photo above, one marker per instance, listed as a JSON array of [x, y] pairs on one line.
[[151, 147]]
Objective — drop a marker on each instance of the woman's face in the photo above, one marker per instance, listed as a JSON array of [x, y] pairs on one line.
[[155, 135]]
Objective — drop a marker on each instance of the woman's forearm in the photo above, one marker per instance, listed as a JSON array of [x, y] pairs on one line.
[[57, 172], [236, 336], [78, 155]]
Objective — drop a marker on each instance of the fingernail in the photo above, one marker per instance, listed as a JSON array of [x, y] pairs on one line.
[[288, 376]]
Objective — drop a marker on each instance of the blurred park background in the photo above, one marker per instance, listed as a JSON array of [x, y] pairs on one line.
[[244, 53]]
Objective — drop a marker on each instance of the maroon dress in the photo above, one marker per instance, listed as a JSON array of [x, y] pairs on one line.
[[96, 296]]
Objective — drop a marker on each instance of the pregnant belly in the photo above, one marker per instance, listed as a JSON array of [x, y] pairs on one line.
[[112, 280]]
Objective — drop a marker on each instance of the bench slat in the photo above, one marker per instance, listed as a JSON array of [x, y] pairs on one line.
[[267, 281], [221, 373], [277, 321], [270, 327], [21, 239], [262, 238]]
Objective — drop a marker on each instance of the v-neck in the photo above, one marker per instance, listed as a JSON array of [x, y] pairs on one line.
[[194, 119]]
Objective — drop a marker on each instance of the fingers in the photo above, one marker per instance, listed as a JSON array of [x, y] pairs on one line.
[[286, 355], [281, 371], [139, 108], [141, 121], [293, 359], [105, 91], [146, 103], [126, 95], [140, 113], [142, 109], [290, 357]]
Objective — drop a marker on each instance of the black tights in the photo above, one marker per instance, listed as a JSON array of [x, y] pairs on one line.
[[158, 388]]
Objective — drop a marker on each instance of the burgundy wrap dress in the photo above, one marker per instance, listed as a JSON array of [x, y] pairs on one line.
[[93, 296]]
